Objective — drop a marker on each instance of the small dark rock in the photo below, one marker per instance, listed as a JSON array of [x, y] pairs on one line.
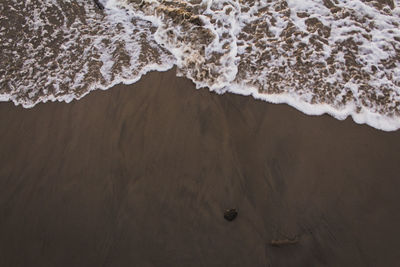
[[230, 214]]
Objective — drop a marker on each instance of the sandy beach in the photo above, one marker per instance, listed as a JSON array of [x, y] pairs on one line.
[[141, 175]]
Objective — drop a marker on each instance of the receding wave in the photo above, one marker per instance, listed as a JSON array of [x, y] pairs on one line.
[[320, 56]]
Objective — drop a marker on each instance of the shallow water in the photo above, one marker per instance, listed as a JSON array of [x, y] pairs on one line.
[[327, 56]]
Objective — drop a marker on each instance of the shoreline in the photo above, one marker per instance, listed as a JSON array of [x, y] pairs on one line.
[[141, 175], [374, 120]]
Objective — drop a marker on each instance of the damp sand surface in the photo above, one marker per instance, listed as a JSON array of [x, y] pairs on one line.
[[141, 175]]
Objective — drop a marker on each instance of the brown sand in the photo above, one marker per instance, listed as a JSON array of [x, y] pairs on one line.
[[140, 175]]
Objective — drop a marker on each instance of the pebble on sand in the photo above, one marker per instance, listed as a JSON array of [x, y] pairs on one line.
[[230, 214]]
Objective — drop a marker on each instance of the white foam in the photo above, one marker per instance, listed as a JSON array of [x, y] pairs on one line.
[[101, 35], [127, 25], [364, 116]]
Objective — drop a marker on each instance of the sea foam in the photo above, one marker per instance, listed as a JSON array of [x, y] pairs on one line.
[[319, 56]]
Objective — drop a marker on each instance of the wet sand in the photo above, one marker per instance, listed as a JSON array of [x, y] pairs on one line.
[[140, 175]]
